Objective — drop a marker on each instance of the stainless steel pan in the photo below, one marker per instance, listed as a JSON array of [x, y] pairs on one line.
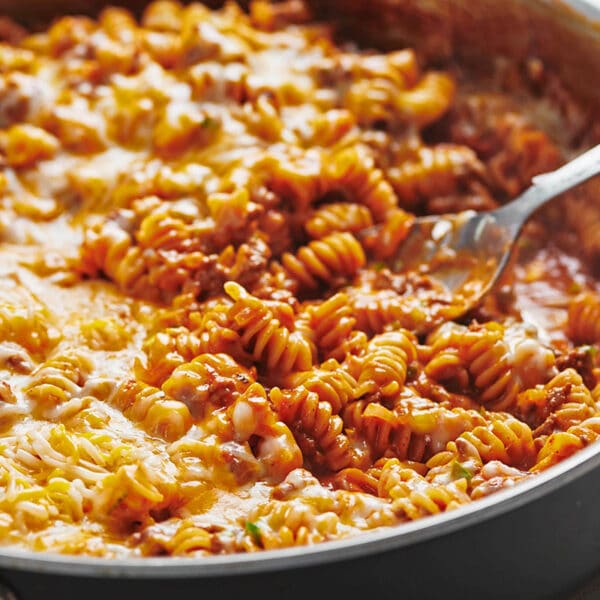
[[537, 540]]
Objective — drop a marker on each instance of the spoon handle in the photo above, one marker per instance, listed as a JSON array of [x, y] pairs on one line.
[[549, 185]]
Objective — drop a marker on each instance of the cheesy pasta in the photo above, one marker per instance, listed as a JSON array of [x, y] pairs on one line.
[[202, 349]]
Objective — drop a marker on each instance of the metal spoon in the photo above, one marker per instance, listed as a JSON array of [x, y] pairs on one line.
[[467, 252]]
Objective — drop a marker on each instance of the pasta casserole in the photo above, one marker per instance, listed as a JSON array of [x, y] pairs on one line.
[[202, 348]]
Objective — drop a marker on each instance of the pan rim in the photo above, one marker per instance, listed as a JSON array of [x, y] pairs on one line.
[[358, 546], [362, 545]]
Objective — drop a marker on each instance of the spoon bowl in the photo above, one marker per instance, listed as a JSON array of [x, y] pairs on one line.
[[467, 252]]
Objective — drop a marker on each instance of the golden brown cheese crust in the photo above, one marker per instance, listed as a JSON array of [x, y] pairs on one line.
[[201, 349]]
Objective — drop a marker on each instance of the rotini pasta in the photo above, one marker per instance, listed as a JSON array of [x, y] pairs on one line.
[[412, 497], [209, 379], [148, 405], [264, 336], [338, 217], [203, 346], [59, 379], [330, 261], [584, 319], [436, 171], [498, 362], [329, 381], [318, 430], [384, 367]]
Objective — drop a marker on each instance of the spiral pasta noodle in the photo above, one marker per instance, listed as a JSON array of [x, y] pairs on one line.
[[144, 494], [165, 351], [151, 407], [484, 357], [59, 379], [338, 217], [332, 322], [206, 343], [563, 401], [318, 430], [562, 444], [336, 256], [264, 336], [353, 169], [187, 539], [413, 498], [385, 363], [384, 432], [436, 171], [209, 379], [276, 449], [28, 326], [413, 430], [282, 526], [584, 319], [329, 381], [505, 439]]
